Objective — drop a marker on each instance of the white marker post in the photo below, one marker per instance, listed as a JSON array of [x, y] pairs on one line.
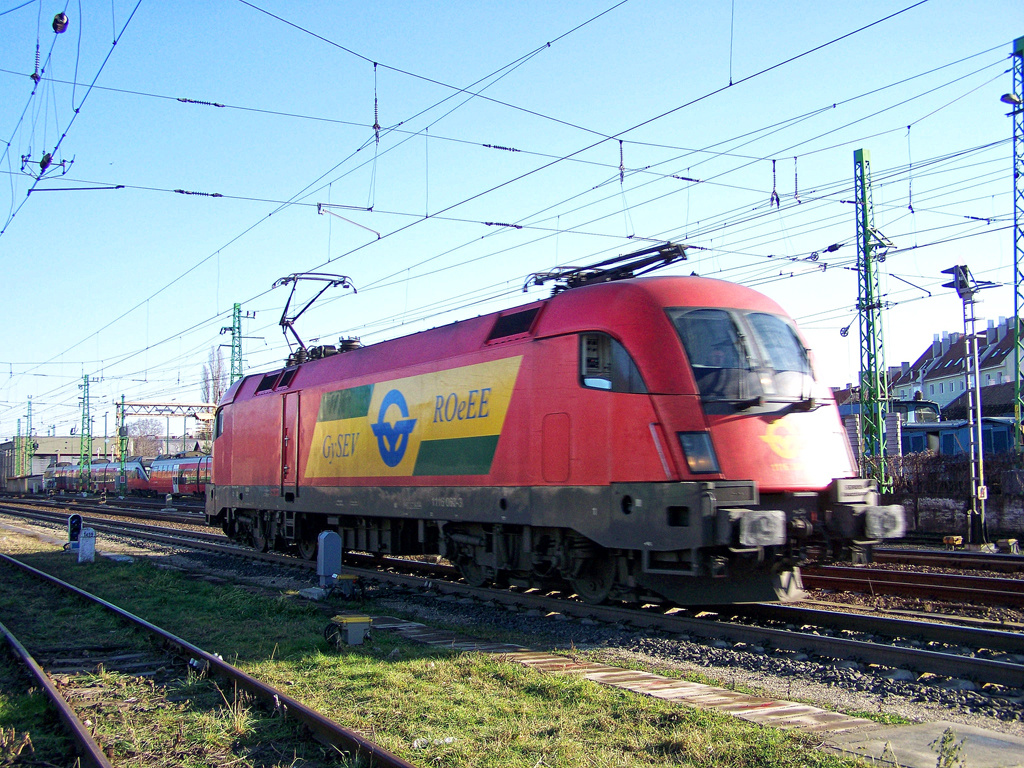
[[87, 546]]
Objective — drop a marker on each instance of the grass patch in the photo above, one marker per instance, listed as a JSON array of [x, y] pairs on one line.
[[435, 707], [885, 718], [29, 726], [189, 722]]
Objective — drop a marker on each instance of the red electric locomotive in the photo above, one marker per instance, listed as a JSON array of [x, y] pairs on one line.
[[656, 436]]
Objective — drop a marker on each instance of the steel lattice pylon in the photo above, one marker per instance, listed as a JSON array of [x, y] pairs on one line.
[[122, 449], [30, 445], [235, 329], [236, 343], [1017, 115], [19, 452], [85, 452], [874, 390]]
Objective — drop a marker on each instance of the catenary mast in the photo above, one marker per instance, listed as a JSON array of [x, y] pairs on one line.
[[874, 390]]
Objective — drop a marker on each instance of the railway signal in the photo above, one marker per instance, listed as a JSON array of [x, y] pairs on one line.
[[966, 287]]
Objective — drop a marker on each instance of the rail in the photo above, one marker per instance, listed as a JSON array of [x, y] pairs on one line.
[[325, 730], [89, 751]]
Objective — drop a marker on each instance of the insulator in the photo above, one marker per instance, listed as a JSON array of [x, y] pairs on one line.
[[60, 22]]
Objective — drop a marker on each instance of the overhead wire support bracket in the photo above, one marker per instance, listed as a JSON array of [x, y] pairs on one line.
[[620, 267], [46, 164], [322, 208], [72, 189], [287, 322]]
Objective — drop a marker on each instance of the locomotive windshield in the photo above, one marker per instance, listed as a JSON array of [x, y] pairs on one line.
[[743, 356]]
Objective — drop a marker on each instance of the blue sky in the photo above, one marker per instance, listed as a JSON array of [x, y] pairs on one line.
[[132, 286]]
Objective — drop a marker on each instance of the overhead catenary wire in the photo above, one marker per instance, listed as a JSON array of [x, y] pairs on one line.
[[943, 159], [76, 111], [555, 227]]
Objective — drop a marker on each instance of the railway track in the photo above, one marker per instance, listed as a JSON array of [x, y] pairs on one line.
[[191, 503], [94, 506], [958, 559], [65, 672], [938, 586], [953, 651]]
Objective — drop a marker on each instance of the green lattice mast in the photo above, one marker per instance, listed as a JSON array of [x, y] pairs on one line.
[[85, 451], [19, 452], [30, 446], [874, 389], [236, 343], [122, 444], [1017, 115]]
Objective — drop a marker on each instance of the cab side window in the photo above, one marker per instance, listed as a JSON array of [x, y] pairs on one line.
[[605, 364], [218, 424]]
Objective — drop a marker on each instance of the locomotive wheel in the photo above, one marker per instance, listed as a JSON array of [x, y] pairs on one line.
[[594, 581], [259, 536], [472, 573], [307, 549]]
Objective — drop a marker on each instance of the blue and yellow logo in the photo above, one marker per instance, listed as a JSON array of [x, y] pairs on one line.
[[442, 423], [393, 439]]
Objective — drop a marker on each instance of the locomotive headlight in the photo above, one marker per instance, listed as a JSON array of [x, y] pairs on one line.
[[699, 452]]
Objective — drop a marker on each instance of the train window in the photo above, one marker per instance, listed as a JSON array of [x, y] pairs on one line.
[[286, 377], [268, 382], [719, 357], [782, 348], [218, 424], [605, 364], [742, 356]]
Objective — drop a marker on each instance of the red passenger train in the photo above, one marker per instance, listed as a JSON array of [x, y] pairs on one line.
[[186, 475], [637, 438], [180, 475], [104, 477]]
